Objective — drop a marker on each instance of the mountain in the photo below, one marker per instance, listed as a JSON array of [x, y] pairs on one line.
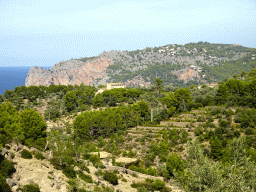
[[193, 63]]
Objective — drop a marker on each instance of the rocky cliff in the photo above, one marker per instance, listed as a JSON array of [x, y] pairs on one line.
[[172, 63], [69, 72]]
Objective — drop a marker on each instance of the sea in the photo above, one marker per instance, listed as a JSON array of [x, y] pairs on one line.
[[11, 77]]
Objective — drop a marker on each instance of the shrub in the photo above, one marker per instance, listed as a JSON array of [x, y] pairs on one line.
[[94, 159], [12, 155], [131, 154], [86, 178], [124, 180], [125, 154], [135, 175], [56, 163], [201, 119], [3, 185], [69, 172], [39, 156], [84, 167], [110, 177], [158, 185], [26, 154], [174, 162], [31, 188]]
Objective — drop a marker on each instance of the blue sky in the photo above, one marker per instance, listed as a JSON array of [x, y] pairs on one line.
[[44, 32]]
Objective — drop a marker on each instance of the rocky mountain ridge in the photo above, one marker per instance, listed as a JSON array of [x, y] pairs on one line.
[[126, 66]]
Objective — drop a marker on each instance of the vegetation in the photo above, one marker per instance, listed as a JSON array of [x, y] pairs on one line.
[[6, 170], [86, 178], [26, 154], [31, 188], [111, 177], [202, 139]]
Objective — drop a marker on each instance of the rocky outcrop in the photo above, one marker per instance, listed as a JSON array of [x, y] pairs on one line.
[[187, 74], [69, 73]]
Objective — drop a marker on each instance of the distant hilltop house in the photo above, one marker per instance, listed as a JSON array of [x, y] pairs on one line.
[[110, 86], [114, 85]]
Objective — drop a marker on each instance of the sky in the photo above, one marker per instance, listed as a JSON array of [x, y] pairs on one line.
[[44, 32]]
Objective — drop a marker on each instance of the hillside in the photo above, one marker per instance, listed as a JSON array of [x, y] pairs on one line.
[[66, 138], [176, 65]]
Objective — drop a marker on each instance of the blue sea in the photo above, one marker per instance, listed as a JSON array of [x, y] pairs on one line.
[[11, 77]]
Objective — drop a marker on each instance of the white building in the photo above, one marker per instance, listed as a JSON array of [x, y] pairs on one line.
[[114, 85], [110, 86]]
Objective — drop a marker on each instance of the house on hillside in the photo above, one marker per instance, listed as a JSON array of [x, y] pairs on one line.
[[114, 85], [110, 86]]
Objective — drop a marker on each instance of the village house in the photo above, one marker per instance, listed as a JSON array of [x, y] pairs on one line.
[[110, 86]]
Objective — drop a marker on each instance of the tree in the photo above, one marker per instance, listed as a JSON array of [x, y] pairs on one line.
[[236, 76], [158, 83], [1, 98], [183, 99], [216, 148], [33, 127], [70, 100], [174, 163], [243, 74], [97, 101]]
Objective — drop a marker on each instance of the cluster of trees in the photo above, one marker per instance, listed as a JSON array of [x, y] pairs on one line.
[[237, 92], [203, 174], [104, 123], [179, 101], [83, 92], [114, 96], [80, 97], [27, 127]]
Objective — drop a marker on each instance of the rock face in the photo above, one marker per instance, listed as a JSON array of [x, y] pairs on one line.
[[68, 73], [187, 74]]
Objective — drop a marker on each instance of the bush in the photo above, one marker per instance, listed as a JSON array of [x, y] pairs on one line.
[[94, 159], [69, 172], [31, 188], [151, 185], [86, 178], [131, 154], [56, 163], [39, 156], [12, 155], [124, 153], [174, 162], [3, 185], [25, 154], [124, 180], [110, 177], [135, 175], [158, 185], [84, 168]]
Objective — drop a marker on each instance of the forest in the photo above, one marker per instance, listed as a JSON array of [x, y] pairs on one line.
[[195, 139]]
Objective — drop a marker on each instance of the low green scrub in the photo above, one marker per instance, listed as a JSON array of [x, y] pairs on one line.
[[69, 172], [31, 188], [94, 159], [39, 156], [111, 177], [86, 178], [152, 185], [56, 163], [25, 154], [83, 167]]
